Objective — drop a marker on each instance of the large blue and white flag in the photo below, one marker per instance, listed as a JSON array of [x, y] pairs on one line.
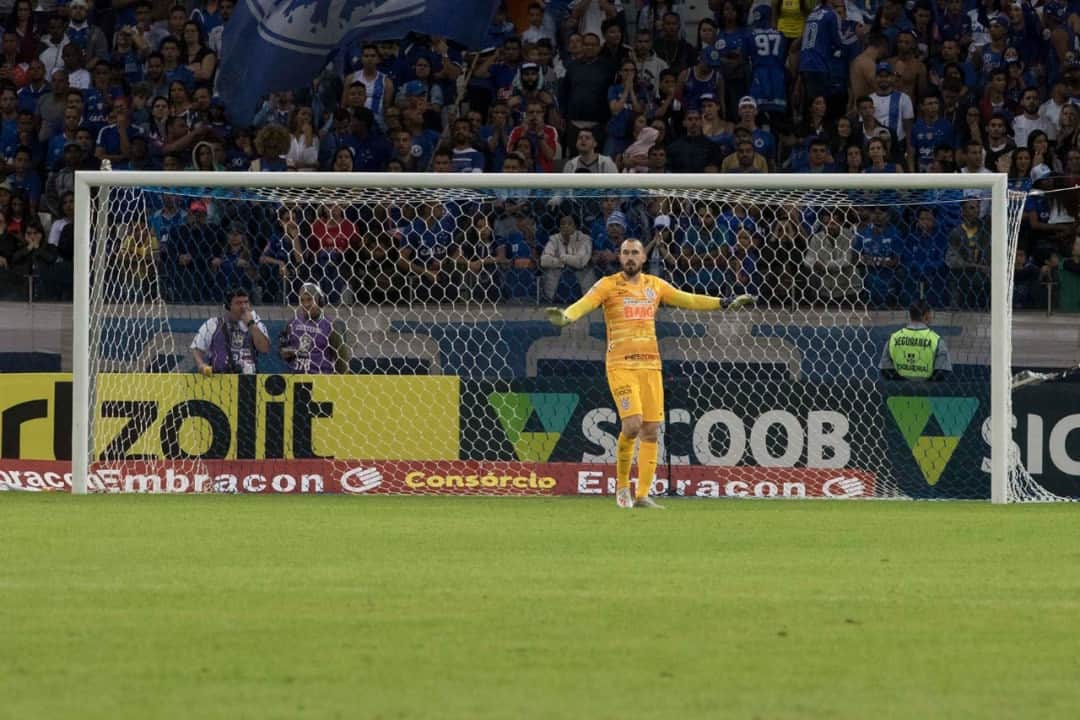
[[272, 45]]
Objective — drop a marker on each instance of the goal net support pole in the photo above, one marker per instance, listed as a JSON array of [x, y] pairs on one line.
[[1000, 341]]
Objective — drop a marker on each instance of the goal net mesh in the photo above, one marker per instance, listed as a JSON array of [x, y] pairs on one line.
[[429, 367]]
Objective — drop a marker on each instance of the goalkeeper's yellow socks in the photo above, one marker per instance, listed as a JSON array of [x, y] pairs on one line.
[[624, 458], [646, 460]]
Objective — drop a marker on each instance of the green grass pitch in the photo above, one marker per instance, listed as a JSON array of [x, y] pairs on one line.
[[427, 607]]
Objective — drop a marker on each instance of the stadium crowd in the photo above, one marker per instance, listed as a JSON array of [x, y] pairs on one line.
[[589, 86]]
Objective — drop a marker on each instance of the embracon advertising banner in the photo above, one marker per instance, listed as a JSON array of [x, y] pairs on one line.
[[461, 477]]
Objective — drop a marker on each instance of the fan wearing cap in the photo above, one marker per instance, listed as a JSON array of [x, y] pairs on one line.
[[630, 299], [713, 126], [608, 232], [529, 86], [88, 37], [309, 343], [991, 56], [1020, 78], [892, 108], [703, 79], [764, 141]]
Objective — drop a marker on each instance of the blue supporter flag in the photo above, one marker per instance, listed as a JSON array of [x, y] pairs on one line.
[[272, 45]]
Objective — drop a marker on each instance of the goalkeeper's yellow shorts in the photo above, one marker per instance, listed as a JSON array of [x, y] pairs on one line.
[[638, 392]]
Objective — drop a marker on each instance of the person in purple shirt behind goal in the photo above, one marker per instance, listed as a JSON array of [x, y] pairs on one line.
[[229, 343], [309, 343]]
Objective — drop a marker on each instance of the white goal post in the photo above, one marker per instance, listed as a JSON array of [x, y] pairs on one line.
[[92, 191]]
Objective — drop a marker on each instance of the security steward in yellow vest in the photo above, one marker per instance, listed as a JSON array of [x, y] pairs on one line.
[[915, 352]]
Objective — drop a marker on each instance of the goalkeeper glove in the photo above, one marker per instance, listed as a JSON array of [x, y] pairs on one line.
[[739, 301], [206, 370], [557, 317]]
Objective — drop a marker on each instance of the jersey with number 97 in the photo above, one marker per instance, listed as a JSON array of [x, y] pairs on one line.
[[768, 84]]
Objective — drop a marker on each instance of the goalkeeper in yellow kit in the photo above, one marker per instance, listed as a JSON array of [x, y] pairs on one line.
[[630, 299]]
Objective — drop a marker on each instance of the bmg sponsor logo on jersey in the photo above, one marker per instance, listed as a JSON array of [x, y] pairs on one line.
[[635, 309]]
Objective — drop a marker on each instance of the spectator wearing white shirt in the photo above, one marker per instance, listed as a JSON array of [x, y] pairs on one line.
[[892, 108], [587, 159], [1051, 109], [303, 151], [67, 207], [78, 76], [649, 64], [1030, 119], [215, 36], [540, 26], [569, 249], [829, 260], [53, 43], [974, 164], [588, 16]]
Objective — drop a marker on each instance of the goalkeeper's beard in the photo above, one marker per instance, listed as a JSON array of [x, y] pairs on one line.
[[630, 271]]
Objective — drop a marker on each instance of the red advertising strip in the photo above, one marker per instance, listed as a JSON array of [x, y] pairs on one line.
[[459, 477], [739, 481]]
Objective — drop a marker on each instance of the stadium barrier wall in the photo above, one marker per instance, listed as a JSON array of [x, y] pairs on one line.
[[713, 444]]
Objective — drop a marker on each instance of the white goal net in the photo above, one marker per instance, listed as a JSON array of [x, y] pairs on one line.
[[408, 351]]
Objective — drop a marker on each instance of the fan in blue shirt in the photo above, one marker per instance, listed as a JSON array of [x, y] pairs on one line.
[[877, 245], [820, 42], [928, 131], [768, 83], [923, 258], [108, 139], [465, 157]]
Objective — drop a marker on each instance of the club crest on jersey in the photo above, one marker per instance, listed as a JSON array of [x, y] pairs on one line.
[[650, 294], [624, 403]]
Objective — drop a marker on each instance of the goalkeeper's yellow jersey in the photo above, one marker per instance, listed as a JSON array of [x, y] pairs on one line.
[[630, 317]]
